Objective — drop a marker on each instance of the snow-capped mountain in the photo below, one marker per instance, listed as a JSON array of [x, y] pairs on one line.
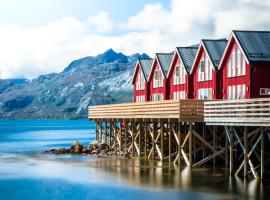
[[103, 79]]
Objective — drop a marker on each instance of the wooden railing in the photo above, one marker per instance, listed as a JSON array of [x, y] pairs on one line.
[[250, 111], [185, 110]]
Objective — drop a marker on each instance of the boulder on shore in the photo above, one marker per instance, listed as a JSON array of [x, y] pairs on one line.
[[76, 148], [58, 151]]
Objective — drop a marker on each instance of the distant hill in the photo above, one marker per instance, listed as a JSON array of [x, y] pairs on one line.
[[103, 79]]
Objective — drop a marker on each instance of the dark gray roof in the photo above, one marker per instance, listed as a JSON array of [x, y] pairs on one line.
[[215, 49], [255, 44], [165, 60], [188, 55], [146, 65]]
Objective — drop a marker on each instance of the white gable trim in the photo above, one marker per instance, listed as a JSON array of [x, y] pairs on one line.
[[227, 47], [197, 55], [134, 72], [176, 52], [156, 58]]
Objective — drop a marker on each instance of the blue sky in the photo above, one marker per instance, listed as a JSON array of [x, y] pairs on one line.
[[43, 36], [34, 13]]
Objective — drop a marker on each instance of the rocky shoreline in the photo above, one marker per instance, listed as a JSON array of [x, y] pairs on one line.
[[95, 148]]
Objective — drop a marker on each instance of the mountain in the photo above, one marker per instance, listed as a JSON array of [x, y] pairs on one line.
[[93, 80]]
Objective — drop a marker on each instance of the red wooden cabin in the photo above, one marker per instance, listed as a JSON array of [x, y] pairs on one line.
[[180, 81], [245, 65], [140, 80], [158, 83], [206, 79]]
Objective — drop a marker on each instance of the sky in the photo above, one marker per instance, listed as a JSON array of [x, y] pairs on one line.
[[43, 36]]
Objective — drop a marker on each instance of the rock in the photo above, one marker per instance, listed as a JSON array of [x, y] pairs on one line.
[[97, 151], [126, 155], [58, 151], [95, 142], [87, 150], [103, 146], [76, 148], [103, 153]]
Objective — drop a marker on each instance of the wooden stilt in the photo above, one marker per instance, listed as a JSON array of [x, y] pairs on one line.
[[154, 140], [190, 145], [120, 135], [231, 152], [145, 140], [162, 139], [226, 152], [132, 136], [126, 130], [214, 143], [262, 153], [203, 135], [106, 132], [179, 142], [170, 140], [97, 131], [110, 133], [100, 131], [245, 152], [140, 145]]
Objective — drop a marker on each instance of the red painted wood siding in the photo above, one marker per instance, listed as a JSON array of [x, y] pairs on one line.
[[139, 92], [159, 90], [175, 88], [260, 78], [203, 84], [238, 80]]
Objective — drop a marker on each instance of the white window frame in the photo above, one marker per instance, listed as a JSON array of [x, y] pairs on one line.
[[140, 82], [205, 93], [157, 97], [159, 81], [239, 62], [233, 63], [200, 72]]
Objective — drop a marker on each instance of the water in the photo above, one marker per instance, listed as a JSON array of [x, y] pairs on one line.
[[28, 173]]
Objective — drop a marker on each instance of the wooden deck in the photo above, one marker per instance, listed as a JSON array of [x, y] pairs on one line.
[[180, 110], [248, 112]]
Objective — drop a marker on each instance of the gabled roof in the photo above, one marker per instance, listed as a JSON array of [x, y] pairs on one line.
[[255, 44], [146, 65], [187, 55], [164, 60], [214, 49]]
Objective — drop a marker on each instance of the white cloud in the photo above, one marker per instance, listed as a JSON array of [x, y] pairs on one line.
[[31, 52]]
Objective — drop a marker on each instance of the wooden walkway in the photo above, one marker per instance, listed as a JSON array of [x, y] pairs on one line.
[[190, 132]]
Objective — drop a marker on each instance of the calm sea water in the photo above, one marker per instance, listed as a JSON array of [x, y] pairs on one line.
[[28, 173]]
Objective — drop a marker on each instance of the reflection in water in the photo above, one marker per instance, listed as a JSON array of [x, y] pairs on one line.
[[155, 174]]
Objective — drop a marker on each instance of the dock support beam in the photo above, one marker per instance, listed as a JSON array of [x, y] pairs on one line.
[[190, 145], [245, 152], [262, 153]]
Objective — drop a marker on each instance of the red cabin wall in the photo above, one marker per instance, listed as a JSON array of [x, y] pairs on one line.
[[238, 80], [203, 84], [139, 92], [259, 78], [175, 88], [159, 90]]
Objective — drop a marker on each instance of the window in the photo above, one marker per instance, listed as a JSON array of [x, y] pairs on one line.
[[205, 93], [239, 92], [243, 66], [157, 97], [140, 81], [233, 70], [140, 98], [229, 94], [201, 70], [179, 95], [229, 68], [205, 69], [239, 62], [158, 78], [243, 91], [176, 78], [179, 74], [233, 92]]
